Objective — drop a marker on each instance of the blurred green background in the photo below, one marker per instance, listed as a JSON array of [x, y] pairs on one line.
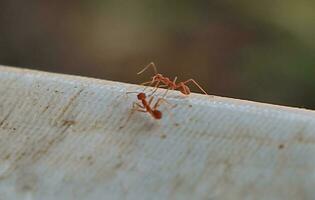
[[256, 50]]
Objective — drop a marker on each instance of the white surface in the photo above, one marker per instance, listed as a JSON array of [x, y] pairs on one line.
[[66, 137]]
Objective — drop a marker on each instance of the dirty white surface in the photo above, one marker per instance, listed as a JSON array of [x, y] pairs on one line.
[[67, 137]]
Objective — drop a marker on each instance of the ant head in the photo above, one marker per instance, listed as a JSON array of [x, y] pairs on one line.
[[157, 76], [141, 96], [185, 90], [157, 114]]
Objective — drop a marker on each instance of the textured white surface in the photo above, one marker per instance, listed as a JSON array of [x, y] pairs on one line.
[[66, 137]]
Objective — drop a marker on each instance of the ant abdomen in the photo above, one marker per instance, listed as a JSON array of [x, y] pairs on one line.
[[157, 114], [184, 89]]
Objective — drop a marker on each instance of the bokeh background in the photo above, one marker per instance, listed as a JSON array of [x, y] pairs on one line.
[[256, 50]]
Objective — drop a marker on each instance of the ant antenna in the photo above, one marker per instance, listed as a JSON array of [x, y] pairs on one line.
[[149, 65]]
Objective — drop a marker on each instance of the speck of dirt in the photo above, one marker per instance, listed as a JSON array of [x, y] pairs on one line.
[[7, 157], [68, 122], [176, 124], [118, 165], [163, 136], [189, 105], [51, 142], [281, 146], [89, 159]]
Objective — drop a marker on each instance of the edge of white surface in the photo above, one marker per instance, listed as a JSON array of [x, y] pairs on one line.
[[91, 80]]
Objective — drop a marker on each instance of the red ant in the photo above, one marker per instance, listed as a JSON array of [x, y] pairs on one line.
[[146, 106], [158, 78]]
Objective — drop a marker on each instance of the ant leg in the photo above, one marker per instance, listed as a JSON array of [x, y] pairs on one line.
[[171, 88], [156, 87], [131, 93], [192, 80], [169, 106], [149, 65], [161, 86], [175, 80], [145, 83], [151, 83], [139, 110], [150, 101], [157, 104], [137, 105], [165, 92]]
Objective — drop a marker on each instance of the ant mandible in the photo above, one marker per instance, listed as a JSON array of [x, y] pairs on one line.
[[159, 78]]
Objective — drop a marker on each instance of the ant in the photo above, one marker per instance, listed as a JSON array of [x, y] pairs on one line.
[[146, 105], [159, 78]]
